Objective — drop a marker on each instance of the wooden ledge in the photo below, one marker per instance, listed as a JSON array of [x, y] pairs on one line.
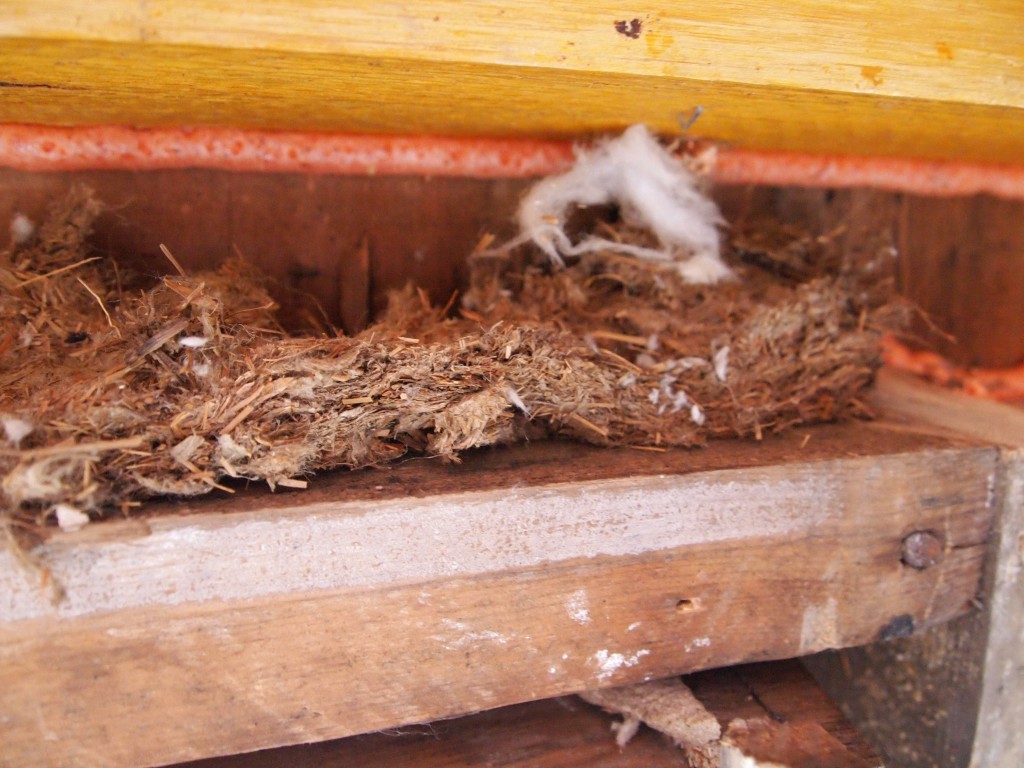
[[514, 509], [383, 598]]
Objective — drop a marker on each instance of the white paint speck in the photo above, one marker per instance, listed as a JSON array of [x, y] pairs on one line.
[[577, 607], [633, 626], [609, 663], [469, 636], [698, 642]]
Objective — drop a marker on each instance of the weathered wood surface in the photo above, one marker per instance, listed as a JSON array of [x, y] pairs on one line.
[[864, 77], [906, 399], [950, 697], [998, 741], [552, 733], [382, 598], [566, 733], [784, 693], [965, 258]]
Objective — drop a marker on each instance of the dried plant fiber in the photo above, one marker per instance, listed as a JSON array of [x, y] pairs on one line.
[[111, 393]]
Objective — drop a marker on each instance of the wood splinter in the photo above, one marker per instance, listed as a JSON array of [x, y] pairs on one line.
[[763, 743], [664, 705], [768, 715]]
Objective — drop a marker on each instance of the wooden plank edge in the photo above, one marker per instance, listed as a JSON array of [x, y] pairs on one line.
[[564, 732], [145, 685], [323, 544], [905, 396], [998, 740], [155, 685]]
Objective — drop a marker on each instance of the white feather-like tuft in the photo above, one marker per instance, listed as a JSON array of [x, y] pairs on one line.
[[626, 730], [697, 415], [721, 361], [16, 429], [653, 190], [22, 229], [517, 401]]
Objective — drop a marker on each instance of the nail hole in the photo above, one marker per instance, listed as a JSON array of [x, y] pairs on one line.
[[687, 604]]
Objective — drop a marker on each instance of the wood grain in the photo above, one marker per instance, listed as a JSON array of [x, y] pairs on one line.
[[866, 76], [567, 733], [552, 733], [683, 572], [997, 741], [783, 695], [963, 261], [907, 398], [303, 233]]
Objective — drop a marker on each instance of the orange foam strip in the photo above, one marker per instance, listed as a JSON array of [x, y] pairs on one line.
[[943, 178], [48, 148], [1002, 384]]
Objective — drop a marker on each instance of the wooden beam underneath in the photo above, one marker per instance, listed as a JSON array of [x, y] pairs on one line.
[[566, 733]]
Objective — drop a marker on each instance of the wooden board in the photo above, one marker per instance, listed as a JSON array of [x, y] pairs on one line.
[[862, 77], [566, 733], [383, 598], [552, 733], [966, 264], [782, 699]]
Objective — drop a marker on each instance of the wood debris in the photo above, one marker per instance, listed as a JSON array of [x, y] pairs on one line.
[[667, 706]]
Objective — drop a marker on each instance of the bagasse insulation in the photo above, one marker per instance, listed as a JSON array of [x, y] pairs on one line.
[[113, 392]]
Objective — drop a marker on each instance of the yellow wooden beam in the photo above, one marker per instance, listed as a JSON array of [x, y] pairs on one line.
[[923, 78]]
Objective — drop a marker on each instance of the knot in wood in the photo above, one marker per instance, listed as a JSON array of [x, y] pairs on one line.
[[921, 549]]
